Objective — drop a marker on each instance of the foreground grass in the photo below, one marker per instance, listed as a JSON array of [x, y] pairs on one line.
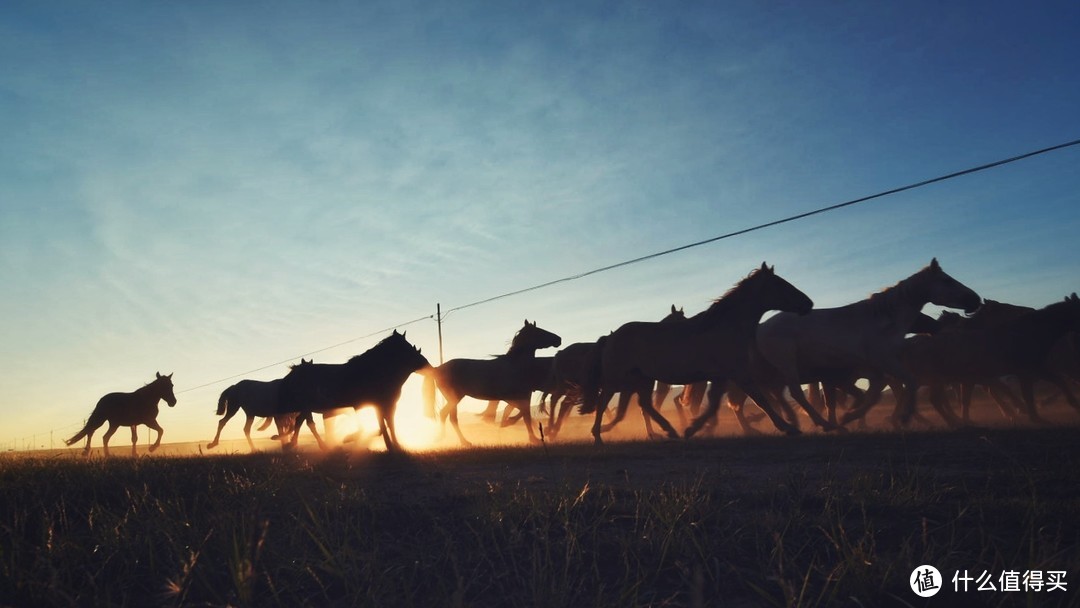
[[807, 521]]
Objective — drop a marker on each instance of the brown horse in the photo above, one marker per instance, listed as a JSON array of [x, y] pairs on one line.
[[373, 377], [1016, 347], [866, 335], [128, 409], [507, 377], [256, 399], [638, 353], [568, 376]]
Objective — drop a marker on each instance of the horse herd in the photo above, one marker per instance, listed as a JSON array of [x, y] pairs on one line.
[[884, 341]]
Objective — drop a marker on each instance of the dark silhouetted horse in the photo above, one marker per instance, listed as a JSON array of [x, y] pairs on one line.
[[1016, 347], [682, 352], [374, 377], [256, 399], [128, 409], [508, 377], [865, 335]]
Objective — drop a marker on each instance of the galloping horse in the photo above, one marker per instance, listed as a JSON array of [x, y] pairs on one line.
[[684, 352], [508, 377], [257, 399], [568, 376], [373, 377], [865, 335], [1019, 347], [128, 409]]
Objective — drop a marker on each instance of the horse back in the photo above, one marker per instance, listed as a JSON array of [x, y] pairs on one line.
[[127, 409], [499, 378]]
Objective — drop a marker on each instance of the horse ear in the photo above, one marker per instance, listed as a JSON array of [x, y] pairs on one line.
[[764, 266], [158, 374], [170, 376], [934, 264], [395, 333], [673, 311], [404, 332]]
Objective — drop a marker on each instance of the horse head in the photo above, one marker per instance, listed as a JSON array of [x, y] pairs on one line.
[[676, 314], [777, 294], [531, 337], [165, 388], [943, 290], [409, 355]]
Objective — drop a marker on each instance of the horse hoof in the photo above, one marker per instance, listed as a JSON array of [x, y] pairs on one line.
[[211, 446], [152, 448]]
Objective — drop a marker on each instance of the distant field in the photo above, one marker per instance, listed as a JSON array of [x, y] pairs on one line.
[[771, 521]]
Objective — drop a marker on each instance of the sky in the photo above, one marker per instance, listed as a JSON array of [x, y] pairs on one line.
[[214, 190]]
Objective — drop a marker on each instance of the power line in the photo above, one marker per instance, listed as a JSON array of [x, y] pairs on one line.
[[790, 218]]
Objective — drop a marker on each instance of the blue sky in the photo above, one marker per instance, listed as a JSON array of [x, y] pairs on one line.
[[208, 188]]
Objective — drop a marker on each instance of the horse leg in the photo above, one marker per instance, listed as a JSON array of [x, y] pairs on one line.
[[800, 398], [1002, 394], [108, 434], [247, 431], [266, 424], [386, 425], [134, 438], [751, 389], [488, 415], [510, 417], [620, 410], [315, 432], [229, 413], [736, 400], [601, 405], [154, 426], [525, 406], [857, 398], [645, 398], [940, 400], [89, 436], [712, 405], [815, 396], [662, 390], [1055, 379], [451, 411], [966, 389], [1027, 398]]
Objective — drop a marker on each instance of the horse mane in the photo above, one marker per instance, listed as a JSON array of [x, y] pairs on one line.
[[374, 352], [885, 299], [720, 306]]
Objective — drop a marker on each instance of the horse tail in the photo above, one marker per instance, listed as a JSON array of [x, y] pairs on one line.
[[223, 401], [97, 418], [590, 376], [429, 394]]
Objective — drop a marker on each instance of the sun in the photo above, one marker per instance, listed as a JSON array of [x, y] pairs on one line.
[[415, 431]]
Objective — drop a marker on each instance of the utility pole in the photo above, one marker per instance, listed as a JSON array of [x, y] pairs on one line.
[[438, 321]]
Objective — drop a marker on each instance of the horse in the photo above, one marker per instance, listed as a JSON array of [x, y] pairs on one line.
[[539, 377], [128, 409], [374, 377], [865, 335], [256, 399], [568, 375], [681, 352], [1015, 347], [506, 377]]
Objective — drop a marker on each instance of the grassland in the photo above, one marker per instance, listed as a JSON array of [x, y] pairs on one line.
[[770, 521]]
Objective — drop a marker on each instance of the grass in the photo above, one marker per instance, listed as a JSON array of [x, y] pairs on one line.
[[803, 521]]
